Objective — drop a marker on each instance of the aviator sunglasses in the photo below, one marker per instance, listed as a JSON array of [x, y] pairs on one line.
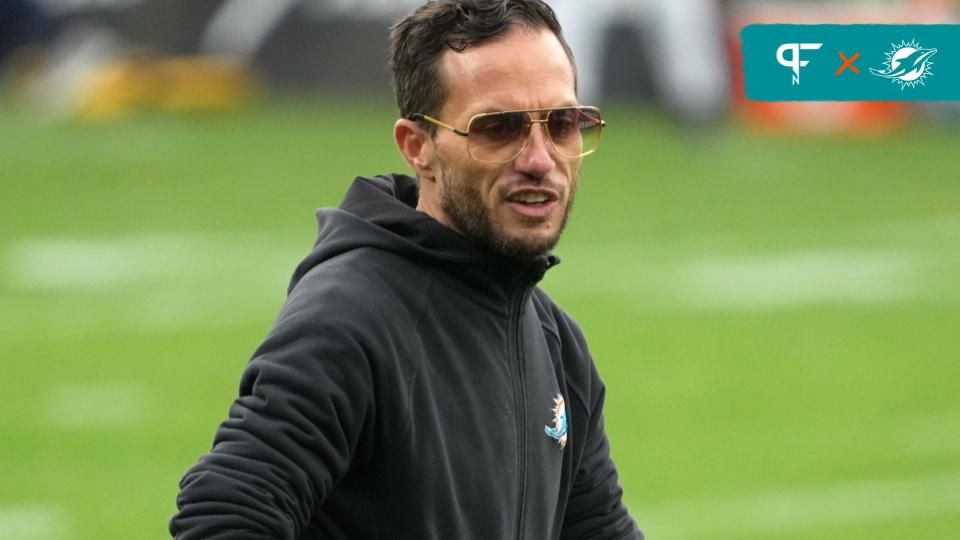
[[499, 137]]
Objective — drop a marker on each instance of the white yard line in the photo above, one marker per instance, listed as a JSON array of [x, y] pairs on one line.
[[754, 281], [101, 264], [31, 522], [144, 283], [789, 511], [164, 282], [94, 405], [771, 281]]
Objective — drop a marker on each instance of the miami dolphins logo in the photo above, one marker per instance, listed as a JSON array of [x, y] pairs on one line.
[[907, 64], [559, 429]]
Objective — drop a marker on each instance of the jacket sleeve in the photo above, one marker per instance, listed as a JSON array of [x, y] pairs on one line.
[[594, 509], [304, 400]]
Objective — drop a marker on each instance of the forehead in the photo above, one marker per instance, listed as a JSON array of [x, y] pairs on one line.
[[523, 69]]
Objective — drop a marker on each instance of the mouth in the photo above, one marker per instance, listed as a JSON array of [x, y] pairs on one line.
[[533, 202]]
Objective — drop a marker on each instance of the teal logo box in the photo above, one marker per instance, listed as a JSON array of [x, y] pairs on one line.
[[855, 62]]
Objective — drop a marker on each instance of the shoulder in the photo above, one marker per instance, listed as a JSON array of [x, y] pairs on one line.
[[365, 296], [364, 282], [350, 318]]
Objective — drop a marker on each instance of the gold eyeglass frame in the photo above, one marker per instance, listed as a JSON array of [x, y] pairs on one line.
[[543, 121]]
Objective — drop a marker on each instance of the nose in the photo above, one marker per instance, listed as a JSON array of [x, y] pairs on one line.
[[536, 158]]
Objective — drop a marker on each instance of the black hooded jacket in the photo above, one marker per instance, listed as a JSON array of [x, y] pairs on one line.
[[413, 386]]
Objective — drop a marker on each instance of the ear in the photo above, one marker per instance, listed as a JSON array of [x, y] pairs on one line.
[[417, 148]]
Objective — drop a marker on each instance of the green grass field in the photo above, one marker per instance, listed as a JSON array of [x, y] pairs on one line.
[[777, 318]]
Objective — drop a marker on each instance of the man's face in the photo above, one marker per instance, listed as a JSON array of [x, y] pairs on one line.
[[500, 205]]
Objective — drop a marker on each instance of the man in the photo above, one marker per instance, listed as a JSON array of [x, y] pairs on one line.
[[416, 383]]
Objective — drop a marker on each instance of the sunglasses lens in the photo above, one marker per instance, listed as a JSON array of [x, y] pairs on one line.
[[575, 131], [496, 137], [500, 137], [564, 126]]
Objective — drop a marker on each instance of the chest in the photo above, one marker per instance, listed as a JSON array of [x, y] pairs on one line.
[[482, 427]]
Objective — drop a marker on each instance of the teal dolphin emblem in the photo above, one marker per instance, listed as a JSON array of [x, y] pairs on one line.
[[907, 64], [559, 429]]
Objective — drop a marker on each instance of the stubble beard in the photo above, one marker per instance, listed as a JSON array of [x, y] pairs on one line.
[[462, 203]]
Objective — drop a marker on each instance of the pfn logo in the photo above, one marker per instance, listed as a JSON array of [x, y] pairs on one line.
[[794, 62]]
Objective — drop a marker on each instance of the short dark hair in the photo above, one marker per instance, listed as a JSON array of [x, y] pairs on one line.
[[418, 41]]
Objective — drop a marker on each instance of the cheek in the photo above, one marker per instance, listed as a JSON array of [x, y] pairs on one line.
[[490, 182], [565, 175]]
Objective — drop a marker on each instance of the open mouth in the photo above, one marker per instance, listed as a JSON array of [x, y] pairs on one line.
[[533, 203], [530, 199]]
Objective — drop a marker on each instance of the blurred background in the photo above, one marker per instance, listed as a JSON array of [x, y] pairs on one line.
[[770, 289]]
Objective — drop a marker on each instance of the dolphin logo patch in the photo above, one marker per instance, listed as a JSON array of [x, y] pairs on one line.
[[907, 64], [559, 429]]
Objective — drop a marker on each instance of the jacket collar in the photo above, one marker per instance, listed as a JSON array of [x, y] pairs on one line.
[[390, 202]]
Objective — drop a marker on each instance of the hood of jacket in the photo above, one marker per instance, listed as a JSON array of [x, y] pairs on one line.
[[380, 212]]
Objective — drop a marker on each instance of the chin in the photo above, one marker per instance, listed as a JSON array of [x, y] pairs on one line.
[[527, 246]]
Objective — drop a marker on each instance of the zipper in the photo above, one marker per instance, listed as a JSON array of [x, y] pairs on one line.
[[520, 400]]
